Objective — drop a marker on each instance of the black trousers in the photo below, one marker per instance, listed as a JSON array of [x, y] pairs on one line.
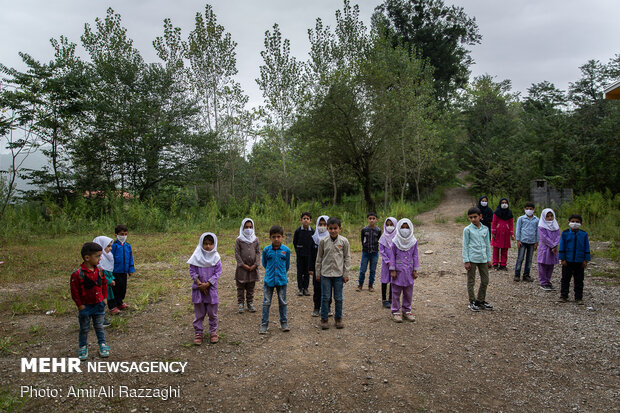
[[303, 276], [384, 287], [572, 270], [316, 296], [119, 289]]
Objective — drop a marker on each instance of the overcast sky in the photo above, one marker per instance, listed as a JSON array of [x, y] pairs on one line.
[[526, 41]]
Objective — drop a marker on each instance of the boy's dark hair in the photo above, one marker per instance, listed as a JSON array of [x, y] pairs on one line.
[[306, 214], [334, 221], [530, 205], [276, 229], [90, 248], [473, 210], [120, 228], [577, 216], [371, 214], [210, 239]]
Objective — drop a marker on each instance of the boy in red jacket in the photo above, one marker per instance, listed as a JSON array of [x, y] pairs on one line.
[[89, 290]]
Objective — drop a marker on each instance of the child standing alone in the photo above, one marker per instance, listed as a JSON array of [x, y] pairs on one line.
[[247, 254], [370, 251], [385, 245], [549, 235], [477, 254], [404, 263], [277, 261], [502, 231], [205, 268]]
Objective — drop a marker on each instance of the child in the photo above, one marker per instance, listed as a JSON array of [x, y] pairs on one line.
[[319, 234], [404, 263], [302, 241], [487, 213], [502, 232], [527, 241], [89, 290], [333, 262], [549, 234], [247, 254], [276, 260], [477, 254], [385, 245], [370, 251], [574, 256], [123, 266], [205, 268], [107, 265]]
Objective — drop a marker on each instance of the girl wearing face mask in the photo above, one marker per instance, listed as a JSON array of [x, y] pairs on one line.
[[403, 258], [549, 239], [487, 213], [502, 231], [319, 234], [385, 244], [247, 254]]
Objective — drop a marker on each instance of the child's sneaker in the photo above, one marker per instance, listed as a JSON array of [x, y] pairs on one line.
[[397, 317], [115, 311], [330, 314], [496, 267], [106, 321], [83, 353], [371, 289], [562, 299], [284, 327], [324, 324], [306, 292], [387, 304], [517, 278], [503, 268], [300, 292], [359, 288], [579, 302], [483, 305], [316, 313], [124, 306], [104, 350], [240, 308], [409, 316], [473, 306], [214, 338], [198, 339], [339, 323], [546, 287], [251, 307], [262, 329], [527, 278]]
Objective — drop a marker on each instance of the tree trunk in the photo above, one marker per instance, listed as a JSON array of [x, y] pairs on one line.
[[370, 203], [386, 190], [283, 153], [334, 185]]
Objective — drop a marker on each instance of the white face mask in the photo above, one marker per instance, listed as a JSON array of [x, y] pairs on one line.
[[389, 229], [483, 203], [322, 229], [248, 231], [121, 238], [529, 212], [404, 232], [574, 225], [504, 206]]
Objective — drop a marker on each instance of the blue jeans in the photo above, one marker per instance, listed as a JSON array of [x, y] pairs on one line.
[[526, 250], [267, 296], [373, 257], [327, 284], [97, 313]]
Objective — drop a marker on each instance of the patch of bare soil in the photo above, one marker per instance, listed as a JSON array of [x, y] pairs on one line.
[[530, 353]]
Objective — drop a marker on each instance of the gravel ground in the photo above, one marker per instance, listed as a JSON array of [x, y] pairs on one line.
[[530, 353]]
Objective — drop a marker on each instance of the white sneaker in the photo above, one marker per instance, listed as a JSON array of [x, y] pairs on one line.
[[409, 316], [397, 317]]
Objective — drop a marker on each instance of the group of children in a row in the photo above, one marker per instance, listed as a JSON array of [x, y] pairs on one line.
[[496, 229]]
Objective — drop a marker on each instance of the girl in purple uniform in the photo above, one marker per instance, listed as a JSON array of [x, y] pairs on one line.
[[404, 265], [385, 244], [205, 268], [549, 239]]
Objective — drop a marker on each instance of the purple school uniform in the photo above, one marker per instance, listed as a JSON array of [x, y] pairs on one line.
[[385, 263], [210, 274], [547, 241], [404, 262]]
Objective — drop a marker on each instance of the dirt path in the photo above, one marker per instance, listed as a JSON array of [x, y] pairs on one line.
[[529, 354]]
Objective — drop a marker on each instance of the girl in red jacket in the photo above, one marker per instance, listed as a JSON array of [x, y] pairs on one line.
[[502, 231]]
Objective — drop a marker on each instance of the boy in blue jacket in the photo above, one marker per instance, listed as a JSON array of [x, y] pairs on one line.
[[276, 260], [123, 266], [574, 257]]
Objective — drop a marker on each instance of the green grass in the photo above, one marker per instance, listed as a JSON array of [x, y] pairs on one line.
[[7, 345], [10, 402]]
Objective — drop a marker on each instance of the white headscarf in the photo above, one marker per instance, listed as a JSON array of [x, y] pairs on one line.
[[203, 258], [107, 259], [317, 237], [387, 238], [404, 244], [242, 236], [550, 225]]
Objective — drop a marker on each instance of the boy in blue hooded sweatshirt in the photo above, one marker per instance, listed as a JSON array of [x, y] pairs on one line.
[[123, 266]]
